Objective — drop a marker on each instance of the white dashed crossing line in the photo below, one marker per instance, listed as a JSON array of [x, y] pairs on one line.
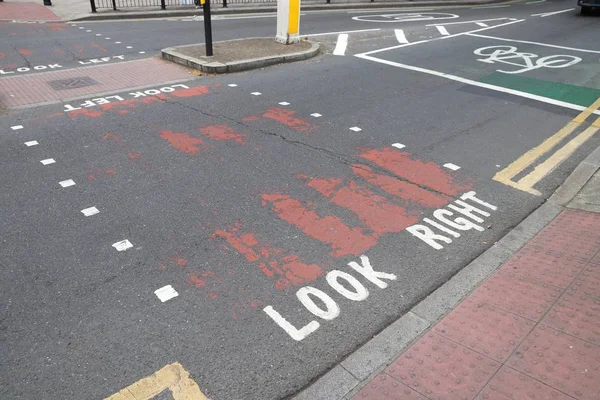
[[166, 293], [284, 103], [232, 85], [67, 183], [451, 166], [355, 129], [122, 245], [398, 145], [442, 30], [31, 143], [16, 127], [400, 36], [316, 115], [48, 161], [342, 43], [90, 211], [481, 24], [256, 93]]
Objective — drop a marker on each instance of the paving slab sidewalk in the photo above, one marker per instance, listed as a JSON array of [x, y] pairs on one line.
[[529, 330]]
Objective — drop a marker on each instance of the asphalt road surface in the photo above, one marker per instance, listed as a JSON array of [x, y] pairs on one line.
[[296, 211]]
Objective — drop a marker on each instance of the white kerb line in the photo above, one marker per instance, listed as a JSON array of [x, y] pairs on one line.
[[342, 43], [166, 293], [90, 211], [542, 15], [490, 6], [122, 245], [442, 30], [400, 36], [451, 166], [337, 33]]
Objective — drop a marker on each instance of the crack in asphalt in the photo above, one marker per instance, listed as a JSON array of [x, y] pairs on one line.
[[339, 157]]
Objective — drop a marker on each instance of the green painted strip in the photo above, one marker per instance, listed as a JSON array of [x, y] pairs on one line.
[[579, 95]]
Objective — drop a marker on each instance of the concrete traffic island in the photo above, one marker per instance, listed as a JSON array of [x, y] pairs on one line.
[[240, 54]]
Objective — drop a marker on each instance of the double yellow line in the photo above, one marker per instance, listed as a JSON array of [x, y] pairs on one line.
[[527, 182]]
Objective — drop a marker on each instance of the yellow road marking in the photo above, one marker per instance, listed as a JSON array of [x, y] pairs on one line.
[[172, 376], [526, 183], [554, 161]]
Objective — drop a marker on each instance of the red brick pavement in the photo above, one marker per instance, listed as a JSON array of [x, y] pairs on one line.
[[531, 331], [26, 12], [34, 88]]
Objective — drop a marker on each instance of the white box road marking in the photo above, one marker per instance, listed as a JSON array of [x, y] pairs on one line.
[[90, 211], [166, 293], [122, 245], [400, 36], [451, 166], [443, 30], [67, 183]]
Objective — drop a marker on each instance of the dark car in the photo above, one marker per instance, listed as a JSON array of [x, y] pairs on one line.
[[588, 5]]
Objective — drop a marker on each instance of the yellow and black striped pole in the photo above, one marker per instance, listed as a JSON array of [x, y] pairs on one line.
[[288, 21]]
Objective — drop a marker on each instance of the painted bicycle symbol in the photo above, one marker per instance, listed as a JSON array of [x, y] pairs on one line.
[[527, 61]]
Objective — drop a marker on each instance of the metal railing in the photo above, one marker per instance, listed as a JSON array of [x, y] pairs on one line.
[[117, 4]]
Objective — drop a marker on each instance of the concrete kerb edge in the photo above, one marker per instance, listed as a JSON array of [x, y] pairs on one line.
[[310, 7], [173, 55], [372, 357]]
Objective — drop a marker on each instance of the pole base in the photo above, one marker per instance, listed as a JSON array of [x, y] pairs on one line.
[[287, 39], [47, 2]]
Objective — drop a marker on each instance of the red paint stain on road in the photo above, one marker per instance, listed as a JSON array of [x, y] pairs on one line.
[[401, 189], [110, 172], [114, 137], [427, 174], [223, 132], [197, 281], [56, 27], [212, 295], [134, 154], [252, 118], [85, 112], [373, 210], [59, 51], [182, 141], [331, 230], [96, 45], [24, 52], [286, 117], [2, 55], [191, 92], [79, 48], [273, 262], [179, 261]]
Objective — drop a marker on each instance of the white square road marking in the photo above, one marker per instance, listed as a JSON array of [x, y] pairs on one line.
[[355, 129], [31, 143], [16, 127], [122, 245], [90, 211], [398, 145], [316, 115], [48, 161], [67, 183], [256, 93], [451, 166], [166, 293]]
